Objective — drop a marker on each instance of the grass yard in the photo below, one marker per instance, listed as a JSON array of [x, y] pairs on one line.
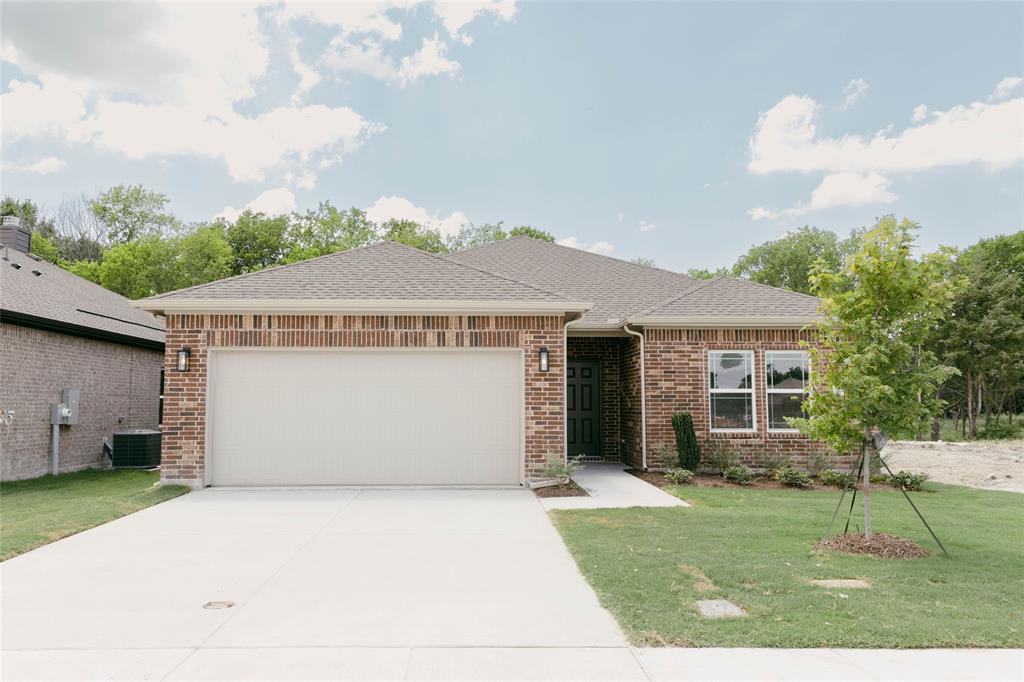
[[40, 510], [755, 548]]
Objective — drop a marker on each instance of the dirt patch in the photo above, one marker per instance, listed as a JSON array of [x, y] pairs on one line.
[[707, 481], [701, 582], [991, 465], [882, 545], [570, 489]]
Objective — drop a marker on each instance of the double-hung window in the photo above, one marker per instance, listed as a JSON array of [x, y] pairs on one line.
[[786, 381], [731, 383]]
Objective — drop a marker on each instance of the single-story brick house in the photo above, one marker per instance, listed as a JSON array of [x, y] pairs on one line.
[[388, 365], [59, 331]]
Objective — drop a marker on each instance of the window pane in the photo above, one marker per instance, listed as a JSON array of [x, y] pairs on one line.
[[782, 405], [731, 370], [786, 370], [732, 411]]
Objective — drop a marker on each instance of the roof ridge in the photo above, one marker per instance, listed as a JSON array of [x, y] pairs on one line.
[[672, 299], [486, 272]]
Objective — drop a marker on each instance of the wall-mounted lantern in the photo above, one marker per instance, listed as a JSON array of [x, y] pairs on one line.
[[542, 358], [183, 355]]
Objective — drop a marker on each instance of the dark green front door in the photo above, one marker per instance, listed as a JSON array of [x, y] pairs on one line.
[[583, 408]]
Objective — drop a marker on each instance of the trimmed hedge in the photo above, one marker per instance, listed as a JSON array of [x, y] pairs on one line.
[[686, 441]]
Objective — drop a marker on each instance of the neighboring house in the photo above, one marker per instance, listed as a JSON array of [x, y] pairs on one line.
[[59, 331], [389, 365]]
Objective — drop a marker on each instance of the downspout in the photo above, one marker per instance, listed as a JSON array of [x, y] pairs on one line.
[[643, 397], [565, 387]]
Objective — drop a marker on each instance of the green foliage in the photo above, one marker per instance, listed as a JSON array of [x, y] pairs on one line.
[[820, 461], [686, 441], [415, 235], [774, 463], [877, 314], [739, 474], [557, 469], [907, 480], [794, 478], [704, 273], [327, 230], [532, 233], [470, 236], [880, 478], [679, 476], [646, 262], [789, 261], [140, 268], [203, 255], [86, 269], [1001, 431], [132, 212], [838, 479], [25, 209], [721, 457], [45, 248], [257, 241]]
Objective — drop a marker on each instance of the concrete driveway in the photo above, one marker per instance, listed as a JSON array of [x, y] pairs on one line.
[[345, 583]]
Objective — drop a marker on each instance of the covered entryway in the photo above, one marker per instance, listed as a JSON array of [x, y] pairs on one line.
[[365, 417]]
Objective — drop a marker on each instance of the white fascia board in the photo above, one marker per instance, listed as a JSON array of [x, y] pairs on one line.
[[717, 322], [414, 306]]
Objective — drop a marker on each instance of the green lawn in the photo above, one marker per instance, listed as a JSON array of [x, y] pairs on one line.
[[41, 510], [755, 547]]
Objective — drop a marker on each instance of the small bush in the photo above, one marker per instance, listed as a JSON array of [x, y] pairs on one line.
[[880, 478], [907, 480], [679, 476], [686, 441], [774, 463], [820, 461], [738, 474], [1001, 431], [839, 479], [557, 470], [721, 458], [794, 478]]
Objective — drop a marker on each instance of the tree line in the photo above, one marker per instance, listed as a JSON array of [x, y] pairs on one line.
[[126, 240]]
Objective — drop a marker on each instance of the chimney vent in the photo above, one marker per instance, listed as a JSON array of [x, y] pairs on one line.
[[15, 235]]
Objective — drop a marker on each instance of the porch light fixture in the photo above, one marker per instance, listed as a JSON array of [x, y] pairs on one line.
[[183, 355], [542, 357]]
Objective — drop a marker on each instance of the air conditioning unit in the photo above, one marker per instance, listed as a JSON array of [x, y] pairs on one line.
[[139, 448]]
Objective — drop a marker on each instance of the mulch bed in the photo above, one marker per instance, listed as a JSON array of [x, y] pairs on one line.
[[882, 545], [706, 481], [570, 489]]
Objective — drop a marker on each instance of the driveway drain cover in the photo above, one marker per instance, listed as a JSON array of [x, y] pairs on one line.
[[218, 604]]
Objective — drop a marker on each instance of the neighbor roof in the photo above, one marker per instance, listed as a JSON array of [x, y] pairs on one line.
[[38, 294], [381, 275], [616, 287]]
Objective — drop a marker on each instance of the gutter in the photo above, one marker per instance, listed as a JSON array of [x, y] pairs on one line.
[[717, 322], [643, 397], [25, 320], [412, 306]]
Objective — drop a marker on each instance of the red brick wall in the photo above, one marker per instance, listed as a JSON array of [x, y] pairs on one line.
[[677, 381], [185, 393], [632, 436], [606, 350]]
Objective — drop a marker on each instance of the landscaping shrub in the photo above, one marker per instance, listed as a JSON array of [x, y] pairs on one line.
[[721, 458], [738, 474], [679, 476], [880, 478], [556, 469], [839, 479], [820, 461], [907, 480], [686, 441], [774, 463], [1001, 431], [794, 478]]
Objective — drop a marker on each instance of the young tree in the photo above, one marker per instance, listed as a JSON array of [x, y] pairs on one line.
[[132, 212], [877, 374]]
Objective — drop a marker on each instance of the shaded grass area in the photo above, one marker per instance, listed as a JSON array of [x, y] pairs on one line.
[[40, 510], [755, 548]]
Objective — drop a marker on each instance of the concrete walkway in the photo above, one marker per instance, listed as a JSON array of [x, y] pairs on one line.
[[610, 486]]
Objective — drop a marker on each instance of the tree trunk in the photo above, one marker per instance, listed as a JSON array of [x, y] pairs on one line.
[[866, 493], [972, 419]]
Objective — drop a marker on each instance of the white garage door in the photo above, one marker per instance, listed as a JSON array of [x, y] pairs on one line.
[[403, 417]]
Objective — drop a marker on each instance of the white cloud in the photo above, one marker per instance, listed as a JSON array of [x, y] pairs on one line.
[[920, 113], [44, 166], [272, 202], [836, 190], [1006, 87], [621, 216], [601, 247], [646, 226], [400, 208], [706, 185], [786, 139], [455, 15], [854, 91], [49, 107], [429, 60]]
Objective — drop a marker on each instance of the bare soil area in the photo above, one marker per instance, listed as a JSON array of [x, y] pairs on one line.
[[992, 465], [570, 489]]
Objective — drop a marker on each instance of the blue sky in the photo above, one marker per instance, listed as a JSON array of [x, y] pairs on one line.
[[682, 132]]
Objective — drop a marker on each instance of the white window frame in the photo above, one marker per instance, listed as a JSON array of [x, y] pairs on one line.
[[751, 390], [768, 390]]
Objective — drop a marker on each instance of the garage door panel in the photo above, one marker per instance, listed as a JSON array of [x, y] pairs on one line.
[[365, 417]]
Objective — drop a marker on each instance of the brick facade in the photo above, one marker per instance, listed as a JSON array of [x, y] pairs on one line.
[[677, 381], [120, 388], [185, 393]]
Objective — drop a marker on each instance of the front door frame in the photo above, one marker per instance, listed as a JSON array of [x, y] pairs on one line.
[[598, 400]]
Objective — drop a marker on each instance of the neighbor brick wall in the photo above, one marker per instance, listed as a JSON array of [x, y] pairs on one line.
[[120, 388], [606, 350], [676, 363], [185, 393]]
